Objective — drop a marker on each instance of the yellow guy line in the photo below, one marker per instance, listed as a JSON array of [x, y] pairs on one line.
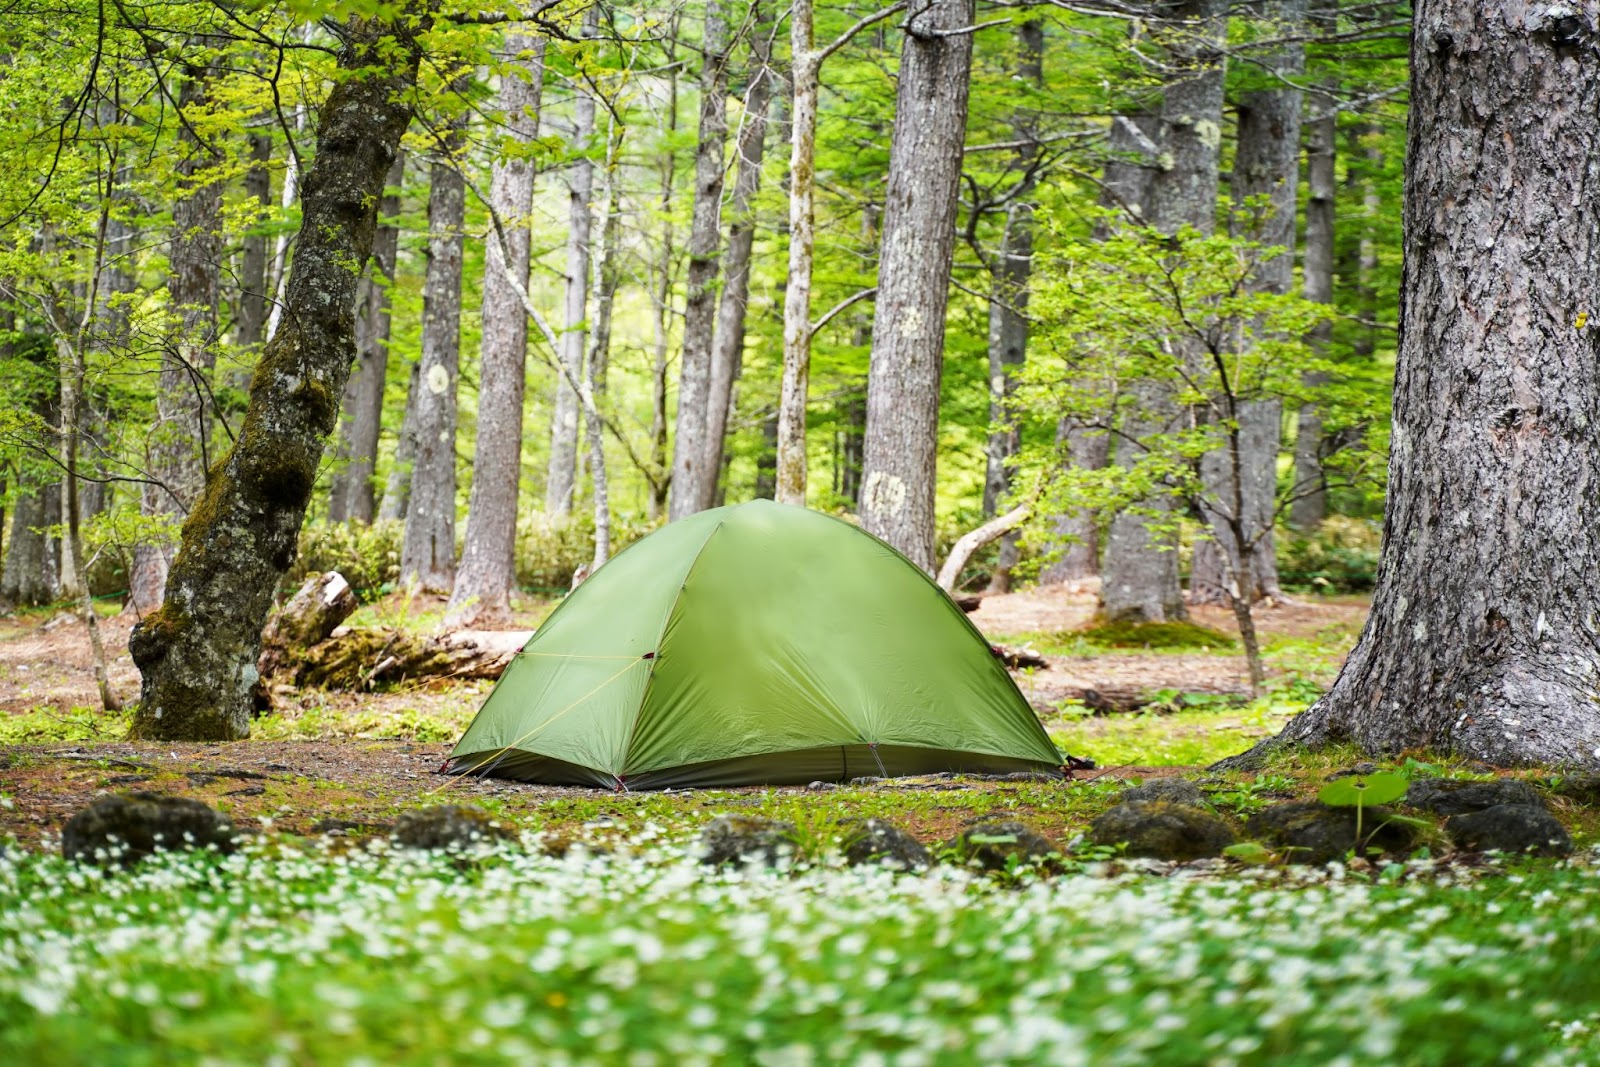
[[453, 778]]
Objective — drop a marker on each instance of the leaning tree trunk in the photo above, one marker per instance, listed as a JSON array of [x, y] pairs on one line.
[[353, 494], [1482, 637], [919, 219], [1140, 569], [561, 478], [198, 653], [728, 346], [483, 585], [178, 457], [1008, 322], [1266, 163], [693, 480], [428, 550]]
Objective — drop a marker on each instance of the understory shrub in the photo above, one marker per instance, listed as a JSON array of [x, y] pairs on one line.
[[1341, 557], [550, 547], [367, 556]]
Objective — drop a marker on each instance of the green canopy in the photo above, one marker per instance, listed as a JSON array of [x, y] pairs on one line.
[[756, 644]]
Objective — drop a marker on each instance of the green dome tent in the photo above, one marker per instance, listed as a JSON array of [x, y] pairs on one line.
[[756, 644]]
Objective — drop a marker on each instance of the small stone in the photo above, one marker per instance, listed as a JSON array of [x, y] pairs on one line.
[[746, 839], [867, 780], [1451, 796], [448, 826], [994, 844], [1163, 830], [247, 791], [1166, 790], [1510, 828], [129, 827], [1359, 770], [1309, 832], [876, 841], [823, 787]]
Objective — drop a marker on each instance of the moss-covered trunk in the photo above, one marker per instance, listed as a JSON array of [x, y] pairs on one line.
[[198, 652]]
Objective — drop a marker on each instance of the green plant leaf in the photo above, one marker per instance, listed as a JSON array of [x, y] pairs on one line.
[[1363, 790], [1253, 853]]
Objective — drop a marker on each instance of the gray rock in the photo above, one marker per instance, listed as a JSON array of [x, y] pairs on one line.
[[1510, 828], [1166, 790], [1163, 830], [746, 839], [876, 841], [125, 829], [1448, 796], [448, 826], [823, 787], [994, 844], [1309, 832], [1359, 770]]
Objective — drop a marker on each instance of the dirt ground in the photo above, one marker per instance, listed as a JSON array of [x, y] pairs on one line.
[[45, 665]]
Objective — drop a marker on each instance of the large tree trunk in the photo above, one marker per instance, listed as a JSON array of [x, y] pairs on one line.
[[1008, 323], [428, 550], [804, 79], [177, 443], [1140, 569], [694, 481], [483, 585], [919, 219], [1309, 505], [1266, 163], [1482, 640], [353, 495], [562, 474], [727, 351], [197, 654]]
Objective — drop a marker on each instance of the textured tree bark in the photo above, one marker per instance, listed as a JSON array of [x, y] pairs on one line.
[[728, 348], [250, 321], [1310, 504], [317, 608], [353, 493], [197, 654], [606, 279], [1482, 638], [1140, 569], [1266, 163], [693, 479], [562, 473], [804, 79], [397, 486], [31, 577], [919, 218], [428, 550], [177, 450], [1008, 324], [482, 591]]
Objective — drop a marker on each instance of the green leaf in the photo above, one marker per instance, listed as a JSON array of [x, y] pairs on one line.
[[1253, 853], [1363, 790]]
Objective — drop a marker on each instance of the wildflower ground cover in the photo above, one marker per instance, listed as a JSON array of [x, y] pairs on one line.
[[306, 954]]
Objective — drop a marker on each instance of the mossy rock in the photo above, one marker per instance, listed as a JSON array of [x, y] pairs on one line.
[[998, 844], [731, 839], [1162, 830], [1159, 635], [1579, 788], [1520, 828], [876, 841], [125, 829], [449, 826], [1311, 832], [1449, 796], [1166, 790]]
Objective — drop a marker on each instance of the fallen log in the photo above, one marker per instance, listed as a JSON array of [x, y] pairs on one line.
[[1019, 658], [365, 659], [307, 619]]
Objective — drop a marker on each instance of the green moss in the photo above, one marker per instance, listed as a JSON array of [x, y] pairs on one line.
[[1161, 635]]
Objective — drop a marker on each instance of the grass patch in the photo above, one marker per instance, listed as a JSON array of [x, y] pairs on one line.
[[1191, 737]]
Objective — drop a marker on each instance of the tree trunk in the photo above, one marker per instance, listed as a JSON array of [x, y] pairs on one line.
[[178, 441], [606, 279], [1266, 163], [365, 659], [562, 476], [804, 77], [919, 219], [321, 604], [767, 461], [1481, 640], [250, 321], [353, 492], [198, 653], [397, 486], [428, 550], [728, 349], [694, 481], [1310, 504], [1008, 323], [30, 577], [483, 585], [1140, 568]]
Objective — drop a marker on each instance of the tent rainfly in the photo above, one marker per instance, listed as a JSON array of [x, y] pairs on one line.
[[754, 644]]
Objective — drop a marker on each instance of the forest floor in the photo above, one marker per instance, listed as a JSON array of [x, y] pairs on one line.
[[364, 757]]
